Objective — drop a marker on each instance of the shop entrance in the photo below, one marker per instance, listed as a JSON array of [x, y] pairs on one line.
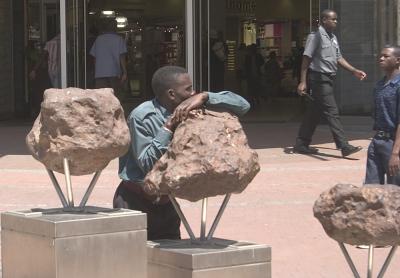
[[252, 47], [255, 49], [153, 30]]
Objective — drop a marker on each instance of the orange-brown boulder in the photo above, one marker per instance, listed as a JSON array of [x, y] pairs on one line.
[[367, 215], [208, 156], [87, 127]]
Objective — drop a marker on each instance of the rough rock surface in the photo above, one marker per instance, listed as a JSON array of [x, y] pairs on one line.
[[208, 156], [87, 127], [361, 215]]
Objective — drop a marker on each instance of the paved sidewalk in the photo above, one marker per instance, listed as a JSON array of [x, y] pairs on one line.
[[275, 209]]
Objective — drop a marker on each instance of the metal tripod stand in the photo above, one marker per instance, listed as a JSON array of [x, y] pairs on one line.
[[69, 201], [370, 261], [203, 237]]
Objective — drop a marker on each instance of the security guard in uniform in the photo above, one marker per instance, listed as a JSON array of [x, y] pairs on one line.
[[318, 70]]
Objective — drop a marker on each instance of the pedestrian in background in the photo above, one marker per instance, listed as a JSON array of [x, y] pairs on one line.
[[51, 56], [321, 58], [109, 51], [152, 125], [218, 56], [253, 63], [273, 75]]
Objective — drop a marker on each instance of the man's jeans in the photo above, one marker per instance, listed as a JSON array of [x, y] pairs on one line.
[[379, 152]]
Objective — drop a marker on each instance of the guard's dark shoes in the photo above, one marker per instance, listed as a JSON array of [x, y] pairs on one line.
[[304, 149], [349, 149]]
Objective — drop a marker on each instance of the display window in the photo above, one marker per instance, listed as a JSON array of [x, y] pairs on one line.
[[152, 40], [265, 41]]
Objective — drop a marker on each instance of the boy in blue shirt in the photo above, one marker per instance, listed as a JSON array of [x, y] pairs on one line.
[[152, 125], [383, 151]]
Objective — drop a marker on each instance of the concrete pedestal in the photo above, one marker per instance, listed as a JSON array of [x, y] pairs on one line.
[[94, 243], [217, 259]]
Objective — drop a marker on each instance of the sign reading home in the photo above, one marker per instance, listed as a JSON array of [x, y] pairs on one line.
[[241, 7]]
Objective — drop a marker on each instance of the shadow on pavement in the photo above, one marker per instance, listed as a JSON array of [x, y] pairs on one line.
[[12, 139], [263, 135], [320, 155]]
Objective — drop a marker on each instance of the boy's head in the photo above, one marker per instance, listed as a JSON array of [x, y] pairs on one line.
[[172, 85], [389, 58]]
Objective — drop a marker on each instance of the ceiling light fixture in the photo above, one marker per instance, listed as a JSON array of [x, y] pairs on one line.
[[121, 19], [108, 13]]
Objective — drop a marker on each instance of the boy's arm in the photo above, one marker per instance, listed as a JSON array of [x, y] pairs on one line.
[[229, 101], [394, 161], [147, 148]]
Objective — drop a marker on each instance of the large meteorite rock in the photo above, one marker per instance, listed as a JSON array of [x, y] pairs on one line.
[[208, 156], [87, 127], [361, 215]]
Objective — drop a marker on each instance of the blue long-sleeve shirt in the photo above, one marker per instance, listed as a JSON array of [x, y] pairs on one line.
[[150, 139], [387, 105]]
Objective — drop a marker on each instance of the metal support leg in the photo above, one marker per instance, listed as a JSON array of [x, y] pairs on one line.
[[218, 216], [90, 189], [182, 217], [203, 219], [67, 174], [370, 261], [349, 260], [387, 261], [58, 188]]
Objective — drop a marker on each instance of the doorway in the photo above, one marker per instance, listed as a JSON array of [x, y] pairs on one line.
[[186, 33], [262, 46], [153, 37], [42, 50]]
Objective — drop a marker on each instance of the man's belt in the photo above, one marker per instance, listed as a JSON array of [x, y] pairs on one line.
[[383, 135], [329, 74], [137, 188]]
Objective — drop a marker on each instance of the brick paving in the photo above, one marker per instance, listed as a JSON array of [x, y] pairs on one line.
[[275, 209]]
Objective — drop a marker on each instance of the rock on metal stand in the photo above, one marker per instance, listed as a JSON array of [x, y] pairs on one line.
[[370, 261], [361, 216], [207, 256], [69, 202], [77, 242], [196, 167], [203, 236]]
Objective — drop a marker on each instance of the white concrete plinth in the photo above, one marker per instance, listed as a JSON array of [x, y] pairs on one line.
[[55, 243], [218, 258]]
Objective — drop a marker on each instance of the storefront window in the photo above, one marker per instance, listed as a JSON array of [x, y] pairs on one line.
[[264, 41], [249, 32], [154, 37], [42, 50]]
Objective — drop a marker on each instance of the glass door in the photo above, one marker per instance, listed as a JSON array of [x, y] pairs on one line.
[[254, 48], [46, 20], [153, 38], [208, 74], [231, 34], [42, 57], [75, 43]]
